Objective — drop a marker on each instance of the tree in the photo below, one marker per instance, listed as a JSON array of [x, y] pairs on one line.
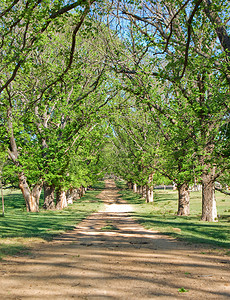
[[22, 27], [197, 85], [42, 109], [2, 162]]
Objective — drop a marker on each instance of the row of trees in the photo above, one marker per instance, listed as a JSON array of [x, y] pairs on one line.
[[149, 80], [54, 91], [176, 66]]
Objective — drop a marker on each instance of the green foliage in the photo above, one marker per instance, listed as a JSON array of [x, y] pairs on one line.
[[141, 103], [57, 126]]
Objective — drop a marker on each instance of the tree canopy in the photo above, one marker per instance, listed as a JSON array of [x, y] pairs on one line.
[[139, 89]]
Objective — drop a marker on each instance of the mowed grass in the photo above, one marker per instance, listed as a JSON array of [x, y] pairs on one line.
[[161, 216], [19, 229]]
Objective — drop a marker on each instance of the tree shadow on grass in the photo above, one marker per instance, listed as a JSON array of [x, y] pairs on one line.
[[189, 229], [131, 198], [45, 224], [12, 249]]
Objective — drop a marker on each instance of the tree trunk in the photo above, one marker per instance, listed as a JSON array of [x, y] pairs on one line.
[[83, 190], [184, 199], [144, 192], [75, 194], [61, 201], [49, 196], [149, 195], [149, 188], [209, 212], [3, 205], [80, 192], [69, 196], [135, 188], [31, 197]]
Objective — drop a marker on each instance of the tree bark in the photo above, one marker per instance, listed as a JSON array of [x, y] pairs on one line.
[[69, 196], [209, 211], [135, 188], [80, 192], [61, 201], [31, 197], [183, 200], [149, 194], [3, 203], [144, 191], [75, 194], [49, 196]]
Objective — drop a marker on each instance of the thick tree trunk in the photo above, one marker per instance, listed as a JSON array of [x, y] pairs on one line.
[[83, 191], [135, 188], [75, 194], [144, 191], [149, 188], [139, 189], [31, 197], [61, 201], [80, 192], [49, 196], [209, 212], [69, 196], [183, 200], [3, 203], [149, 194]]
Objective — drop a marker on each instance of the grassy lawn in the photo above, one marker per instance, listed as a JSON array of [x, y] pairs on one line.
[[161, 216], [18, 228]]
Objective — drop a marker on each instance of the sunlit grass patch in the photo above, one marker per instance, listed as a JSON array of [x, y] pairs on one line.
[[18, 228], [161, 215]]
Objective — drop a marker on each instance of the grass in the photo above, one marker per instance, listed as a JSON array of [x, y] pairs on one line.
[[161, 216], [109, 227], [19, 228], [183, 290]]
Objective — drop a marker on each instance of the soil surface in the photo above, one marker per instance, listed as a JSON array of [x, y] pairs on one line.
[[110, 256]]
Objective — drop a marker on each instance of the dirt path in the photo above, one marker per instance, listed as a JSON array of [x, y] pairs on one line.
[[127, 262]]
